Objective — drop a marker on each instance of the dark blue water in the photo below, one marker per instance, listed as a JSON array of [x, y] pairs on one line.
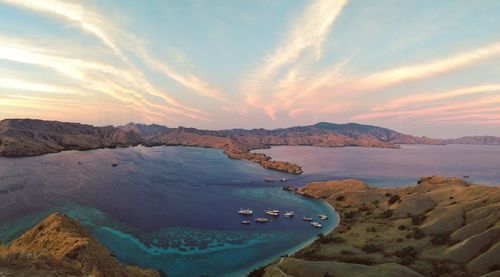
[[393, 167], [167, 208]]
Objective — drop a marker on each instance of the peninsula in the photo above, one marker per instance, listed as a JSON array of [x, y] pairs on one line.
[[439, 227]]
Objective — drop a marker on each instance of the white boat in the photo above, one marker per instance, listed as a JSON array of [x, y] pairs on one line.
[[261, 220], [316, 224], [307, 218], [283, 180], [246, 222], [245, 212], [289, 214], [323, 217], [272, 212]]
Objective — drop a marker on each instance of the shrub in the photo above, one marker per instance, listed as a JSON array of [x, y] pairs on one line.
[[375, 202], [393, 199], [349, 215], [418, 219], [386, 214], [402, 227], [440, 239], [407, 251], [418, 234], [363, 209], [345, 252], [340, 198], [337, 240], [399, 240], [370, 248], [388, 194]]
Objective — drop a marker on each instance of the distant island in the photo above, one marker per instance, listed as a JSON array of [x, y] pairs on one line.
[[31, 137]]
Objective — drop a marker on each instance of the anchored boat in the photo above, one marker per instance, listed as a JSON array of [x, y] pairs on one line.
[[272, 212], [246, 222], [289, 214], [316, 224], [245, 211], [323, 217], [307, 218], [261, 220]]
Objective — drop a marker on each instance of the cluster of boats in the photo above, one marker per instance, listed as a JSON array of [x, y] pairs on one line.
[[276, 213]]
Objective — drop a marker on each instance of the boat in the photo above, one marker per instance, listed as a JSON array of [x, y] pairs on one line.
[[283, 180], [114, 165], [245, 211], [307, 218], [261, 220], [316, 224], [272, 212], [246, 222], [323, 217], [268, 179], [289, 214]]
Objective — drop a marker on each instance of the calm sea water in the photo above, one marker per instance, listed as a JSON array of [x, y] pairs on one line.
[[393, 167], [167, 208]]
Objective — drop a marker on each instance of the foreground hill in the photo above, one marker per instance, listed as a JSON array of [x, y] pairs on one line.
[[440, 227], [59, 246]]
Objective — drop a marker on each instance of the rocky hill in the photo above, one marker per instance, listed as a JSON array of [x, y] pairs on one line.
[[440, 227], [59, 246], [28, 137], [483, 140]]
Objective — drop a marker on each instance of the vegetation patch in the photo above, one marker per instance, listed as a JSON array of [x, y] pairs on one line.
[[370, 248], [393, 199]]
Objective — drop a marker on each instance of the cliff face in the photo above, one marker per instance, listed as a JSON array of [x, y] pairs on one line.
[[440, 227], [59, 246]]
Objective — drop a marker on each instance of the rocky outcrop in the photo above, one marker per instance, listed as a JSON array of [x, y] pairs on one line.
[[59, 246], [454, 231]]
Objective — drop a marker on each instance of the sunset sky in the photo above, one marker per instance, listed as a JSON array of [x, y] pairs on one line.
[[420, 67]]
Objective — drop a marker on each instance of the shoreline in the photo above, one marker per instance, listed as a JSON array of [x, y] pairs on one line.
[[293, 250]]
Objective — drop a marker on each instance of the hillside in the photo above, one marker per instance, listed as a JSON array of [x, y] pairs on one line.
[[439, 227], [59, 246]]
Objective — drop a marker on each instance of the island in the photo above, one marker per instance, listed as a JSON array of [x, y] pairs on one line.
[[439, 227]]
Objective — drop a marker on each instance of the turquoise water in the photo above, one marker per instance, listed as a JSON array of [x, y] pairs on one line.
[[167, 208], [393, 167]]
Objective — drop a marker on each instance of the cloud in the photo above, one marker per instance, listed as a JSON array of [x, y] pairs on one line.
[[128, 87], [302, 44], [425, 98], [96, 24]]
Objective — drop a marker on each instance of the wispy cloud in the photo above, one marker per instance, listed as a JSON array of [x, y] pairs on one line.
[[304, 41], [428, 97], [98, 25]]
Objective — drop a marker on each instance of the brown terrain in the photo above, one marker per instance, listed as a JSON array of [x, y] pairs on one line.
[[59, 246], [440, 227], [30, 137]]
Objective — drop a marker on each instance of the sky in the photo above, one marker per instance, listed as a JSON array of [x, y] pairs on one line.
[[421, 67]]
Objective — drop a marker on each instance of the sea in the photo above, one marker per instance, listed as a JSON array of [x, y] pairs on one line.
[[174, 209]]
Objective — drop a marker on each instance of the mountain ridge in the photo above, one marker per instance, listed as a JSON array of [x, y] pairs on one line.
[[31, 137]]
